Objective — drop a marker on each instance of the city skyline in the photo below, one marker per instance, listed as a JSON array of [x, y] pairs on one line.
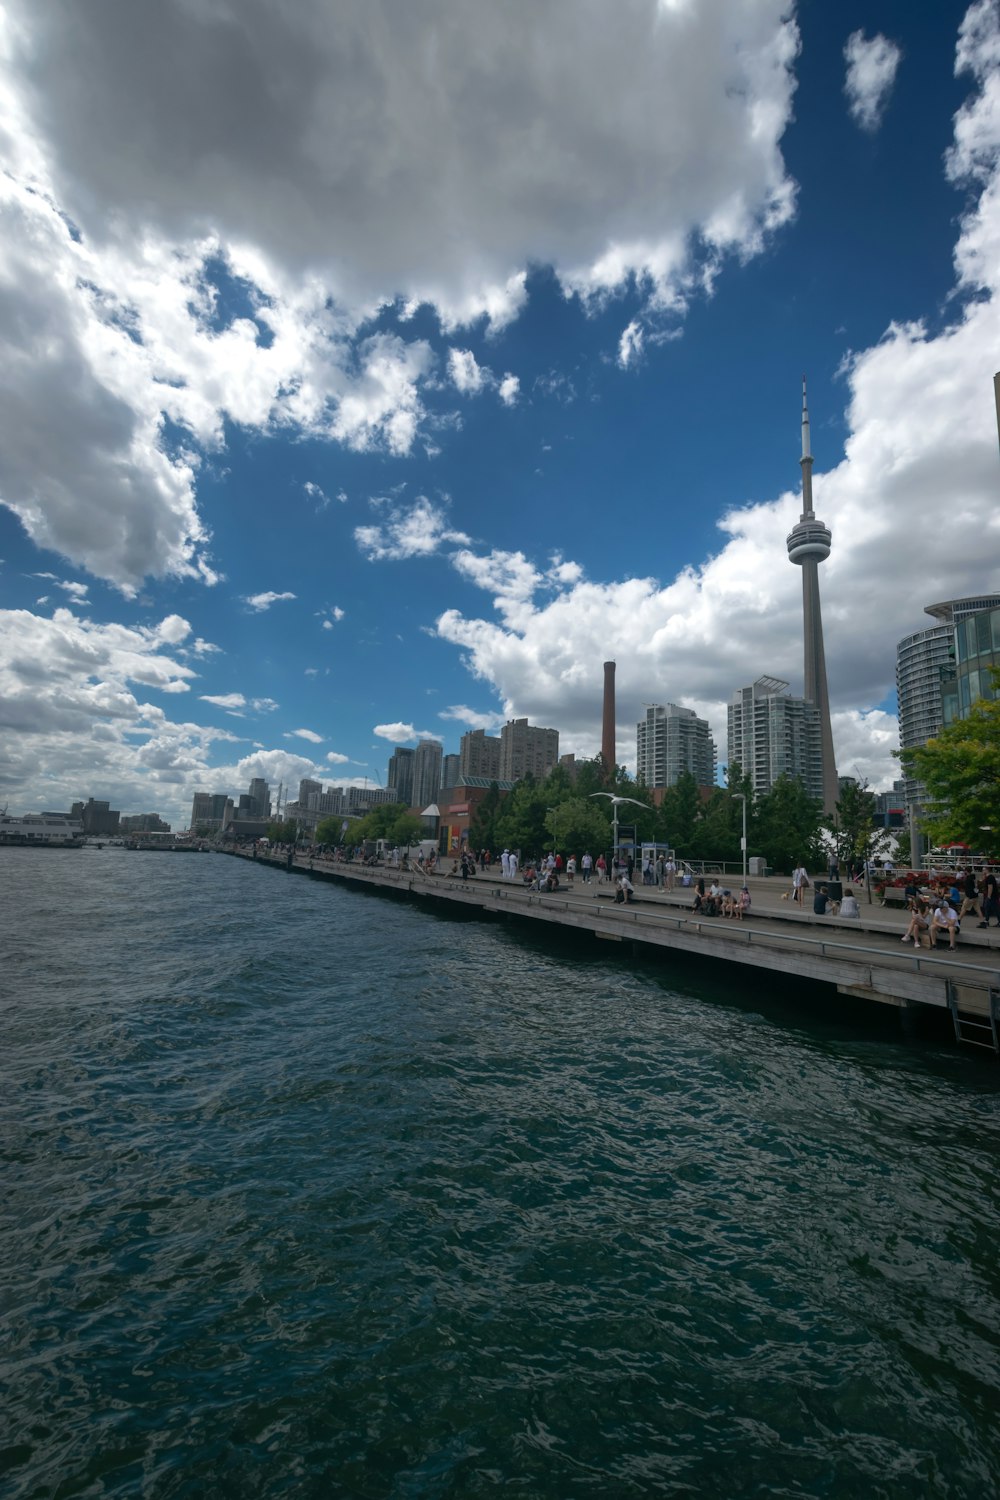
[[411, 432]]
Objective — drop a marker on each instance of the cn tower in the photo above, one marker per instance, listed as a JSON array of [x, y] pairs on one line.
[[808, 546]]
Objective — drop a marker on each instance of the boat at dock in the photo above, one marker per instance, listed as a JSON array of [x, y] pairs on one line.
[[40, 831]]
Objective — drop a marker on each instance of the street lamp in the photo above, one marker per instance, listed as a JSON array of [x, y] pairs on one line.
[[616, 802], [742, 797]]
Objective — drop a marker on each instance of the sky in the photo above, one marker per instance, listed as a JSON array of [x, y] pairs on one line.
[[373, 372]]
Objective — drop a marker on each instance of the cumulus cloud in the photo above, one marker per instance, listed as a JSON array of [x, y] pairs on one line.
[[264, 601], [398, 734], [871, 72], [328, 164], [630, 344], [235, 703], [305, 734], [336, 759], [472, 718], [418, 530]]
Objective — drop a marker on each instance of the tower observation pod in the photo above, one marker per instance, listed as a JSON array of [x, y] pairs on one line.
[[808, 545]]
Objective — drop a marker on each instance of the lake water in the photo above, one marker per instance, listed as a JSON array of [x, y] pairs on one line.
[[307, 1192]]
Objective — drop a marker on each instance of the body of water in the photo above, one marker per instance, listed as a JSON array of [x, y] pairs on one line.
[[306, 1192]]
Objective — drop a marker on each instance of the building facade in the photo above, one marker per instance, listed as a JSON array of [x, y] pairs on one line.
[[208, 810], [479, 755], [927, 659], [450, 770], [399, 776], [96, 817], [526, 748], [671, 740], [427, 760], [772, 734]]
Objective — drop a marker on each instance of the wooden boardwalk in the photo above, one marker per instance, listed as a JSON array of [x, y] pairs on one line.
[[863, 959]]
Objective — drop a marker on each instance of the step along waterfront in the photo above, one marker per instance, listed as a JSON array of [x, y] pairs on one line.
[[862, 959]]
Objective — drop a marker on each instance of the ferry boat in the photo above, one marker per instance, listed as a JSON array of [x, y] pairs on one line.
[[40, 831]]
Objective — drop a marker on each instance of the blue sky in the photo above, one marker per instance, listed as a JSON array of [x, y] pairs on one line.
[[378, 373]]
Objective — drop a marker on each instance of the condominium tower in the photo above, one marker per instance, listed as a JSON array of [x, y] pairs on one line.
[[772, 734], [525, 748], [670, 740]]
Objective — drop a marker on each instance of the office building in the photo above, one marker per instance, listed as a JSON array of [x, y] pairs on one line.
[[208, 811], [479, 755], [399, 776], [808, 545], [427, 760], [96, 817], [450, 770], [525, 749], [670, 740], [772, 734]]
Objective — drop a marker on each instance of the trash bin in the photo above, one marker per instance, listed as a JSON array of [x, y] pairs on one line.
[[758, 866], [834, 889]]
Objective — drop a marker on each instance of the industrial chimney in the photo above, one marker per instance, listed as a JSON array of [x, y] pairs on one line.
[[608, 726]]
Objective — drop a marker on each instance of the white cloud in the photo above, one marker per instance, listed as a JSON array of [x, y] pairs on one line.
[[264, 601], [472, 718], [397, 734], [416, 531], [336, 759], [465, 373], [316, 493], [79, 591], [305, 734], [271, 157], [630, 345], [225, 700], [871, 72]]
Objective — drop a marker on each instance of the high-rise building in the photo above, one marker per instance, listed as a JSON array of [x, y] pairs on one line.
[[427, 772], [525, 748], [808, 545], [260, 798], [96, 817], [670, 740], [772, 734], [450, 770], [399, 776], [479, 755], [308, 788], [208, 810], [923, 661]]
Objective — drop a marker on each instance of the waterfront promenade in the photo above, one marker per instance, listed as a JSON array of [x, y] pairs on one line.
[[864, 959]]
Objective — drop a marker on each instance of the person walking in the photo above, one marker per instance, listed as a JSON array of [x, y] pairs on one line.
[[586, 866], [602, 869], [570, 869], [800, 884]]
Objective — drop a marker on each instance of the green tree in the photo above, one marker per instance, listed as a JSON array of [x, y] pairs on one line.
[[405, 830], [589, 777], [521, 824], [855, 834], [960, 771], [679, 814], [786, 825], [329, 831], [718, 830], [579, 824], [283, 833], [483, 827]]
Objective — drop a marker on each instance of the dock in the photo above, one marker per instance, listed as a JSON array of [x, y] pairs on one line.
[[863, 959]]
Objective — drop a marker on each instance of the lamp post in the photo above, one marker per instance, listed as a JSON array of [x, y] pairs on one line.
[[616, 802], [742, 797]]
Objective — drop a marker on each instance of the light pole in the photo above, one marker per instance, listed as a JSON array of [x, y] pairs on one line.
[[616, 802], [742, 797]]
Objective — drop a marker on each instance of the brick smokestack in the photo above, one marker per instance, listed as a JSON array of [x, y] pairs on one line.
[[608, 725]]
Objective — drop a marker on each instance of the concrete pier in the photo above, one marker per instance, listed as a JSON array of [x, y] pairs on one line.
[[863, 959]]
